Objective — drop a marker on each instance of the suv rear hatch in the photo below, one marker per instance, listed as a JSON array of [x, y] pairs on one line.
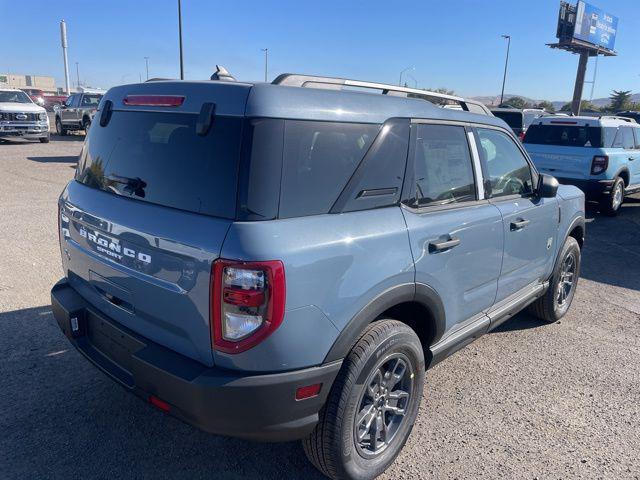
[[151, 204], [566, 149]]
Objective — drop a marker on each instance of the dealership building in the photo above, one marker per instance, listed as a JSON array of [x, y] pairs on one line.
[[15, 80]]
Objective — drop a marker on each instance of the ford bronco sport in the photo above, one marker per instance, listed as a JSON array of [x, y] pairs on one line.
[[283, 261], [599, 155]]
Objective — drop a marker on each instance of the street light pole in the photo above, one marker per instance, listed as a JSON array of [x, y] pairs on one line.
[[77, 77], [402, 72], [180, 37], [506, 63], [146, 61], [266, 63]]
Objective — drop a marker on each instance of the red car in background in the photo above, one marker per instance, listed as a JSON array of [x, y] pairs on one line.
[[35, 94], [51, 101]]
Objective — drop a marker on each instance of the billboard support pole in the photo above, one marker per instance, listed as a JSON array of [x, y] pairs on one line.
[[577, 90]]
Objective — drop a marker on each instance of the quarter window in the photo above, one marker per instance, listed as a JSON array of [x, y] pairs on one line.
[[442, 166], [625, 139], [507, 168]]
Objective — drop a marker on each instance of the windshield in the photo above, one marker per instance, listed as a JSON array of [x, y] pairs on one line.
[[16, 97], [91, 100], [159, 158], [567, 136]]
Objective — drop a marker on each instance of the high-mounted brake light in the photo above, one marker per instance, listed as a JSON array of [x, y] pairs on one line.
[[563, 122], [154, 100], [247, 303], [599, 164]]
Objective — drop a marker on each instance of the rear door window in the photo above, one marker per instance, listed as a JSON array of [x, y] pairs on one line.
[[442, 166], [319, 159], [158, 158]]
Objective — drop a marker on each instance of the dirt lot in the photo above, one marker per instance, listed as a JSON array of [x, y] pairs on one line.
[[527, 401]]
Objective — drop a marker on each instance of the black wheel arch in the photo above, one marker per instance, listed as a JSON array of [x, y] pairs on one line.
[[417, 305]]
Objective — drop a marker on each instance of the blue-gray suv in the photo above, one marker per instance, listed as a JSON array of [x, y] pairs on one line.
[[284, 261]]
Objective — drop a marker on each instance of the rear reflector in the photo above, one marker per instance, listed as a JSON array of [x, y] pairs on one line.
[[154, 100], [309, 391], [159, 404]]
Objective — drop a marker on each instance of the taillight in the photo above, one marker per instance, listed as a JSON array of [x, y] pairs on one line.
[[247, 303], [599, 164], [521, 135], [154, 100]]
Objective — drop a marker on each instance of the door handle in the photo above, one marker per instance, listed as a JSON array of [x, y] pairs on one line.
[[444, 245], [519, 224]]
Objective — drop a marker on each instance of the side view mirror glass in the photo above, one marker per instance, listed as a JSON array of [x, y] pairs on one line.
[[547, 186]]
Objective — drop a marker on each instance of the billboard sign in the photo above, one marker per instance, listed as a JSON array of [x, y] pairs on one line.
[[595, 26]]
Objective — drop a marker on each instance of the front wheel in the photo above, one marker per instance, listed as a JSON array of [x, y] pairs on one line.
[[86, 125], [372, 405], [611, 202], [59, 128], [44, 139], [555, 303]]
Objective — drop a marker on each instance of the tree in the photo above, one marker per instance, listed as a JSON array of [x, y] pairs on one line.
[[546, 105], [515, 102], [585, 105], [620, 100]]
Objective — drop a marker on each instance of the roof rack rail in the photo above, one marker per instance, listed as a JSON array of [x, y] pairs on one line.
[[618, 117], [334, 83]]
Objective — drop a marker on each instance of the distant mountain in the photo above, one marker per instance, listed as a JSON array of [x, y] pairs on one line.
[[598, 102]]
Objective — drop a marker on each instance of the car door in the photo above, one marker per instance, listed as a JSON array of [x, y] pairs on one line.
[[634, 159], [67, 113], [529, 223], [455, 234]]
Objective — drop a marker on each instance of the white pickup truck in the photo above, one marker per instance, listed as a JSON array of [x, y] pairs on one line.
[[20, 117]]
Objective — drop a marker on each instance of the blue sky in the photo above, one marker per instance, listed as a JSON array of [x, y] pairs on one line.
[[452, 43]]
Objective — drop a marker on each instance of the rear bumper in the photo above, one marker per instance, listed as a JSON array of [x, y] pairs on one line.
[[239, 404], [592, 189]]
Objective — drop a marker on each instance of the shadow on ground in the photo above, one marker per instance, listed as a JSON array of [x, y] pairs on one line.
[[59, 159], [58, 414]]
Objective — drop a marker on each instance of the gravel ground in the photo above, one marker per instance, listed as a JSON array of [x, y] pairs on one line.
[[527, 401]]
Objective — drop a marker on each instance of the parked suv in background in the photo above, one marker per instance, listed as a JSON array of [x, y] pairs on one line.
[[21, 118], [77, 112], [599, 155], [283, 261]]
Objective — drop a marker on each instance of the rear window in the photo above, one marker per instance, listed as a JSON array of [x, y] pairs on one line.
[[158, 158], [319, 159], [570, 136], [513, 119]]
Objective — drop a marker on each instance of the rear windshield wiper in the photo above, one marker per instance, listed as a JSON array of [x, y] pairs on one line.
[[132, 186]]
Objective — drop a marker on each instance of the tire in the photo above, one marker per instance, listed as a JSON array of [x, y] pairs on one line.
[[86, 124], [611, 202], [44, 139], [549, 307], [385, 346], [59, 128]]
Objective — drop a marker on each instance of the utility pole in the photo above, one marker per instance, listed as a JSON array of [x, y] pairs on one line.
[[402, 72], [63, 40], [506, 63], [266, 63], [180, 37], [77, 77], [146, 61]]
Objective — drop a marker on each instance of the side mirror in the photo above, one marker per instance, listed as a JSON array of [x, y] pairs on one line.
[[547, 186]]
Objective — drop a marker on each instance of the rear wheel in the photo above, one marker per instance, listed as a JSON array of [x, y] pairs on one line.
[[556, 301], [60, 129], [372, 406], [611, 202]]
